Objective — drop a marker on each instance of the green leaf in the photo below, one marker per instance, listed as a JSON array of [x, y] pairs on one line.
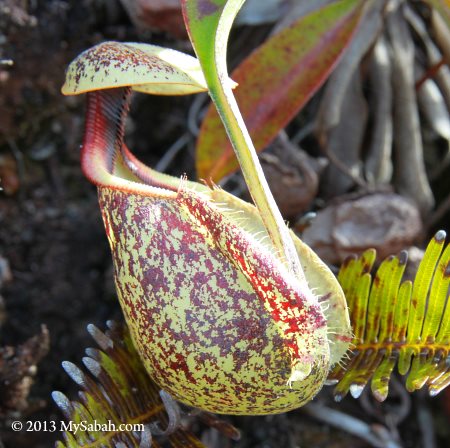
[[146, 68], [397, 323], [118, 391], [276, 80], [208, 23]]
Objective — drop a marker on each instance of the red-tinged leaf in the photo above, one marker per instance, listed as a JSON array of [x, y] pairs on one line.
[[277, 80]]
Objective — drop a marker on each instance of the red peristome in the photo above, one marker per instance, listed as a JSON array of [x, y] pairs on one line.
[[103, 136]]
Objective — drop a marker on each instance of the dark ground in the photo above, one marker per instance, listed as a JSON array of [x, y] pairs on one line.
[[52, 237]]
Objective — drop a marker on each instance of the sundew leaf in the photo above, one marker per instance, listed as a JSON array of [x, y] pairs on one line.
[[276, 80], [407, 323], [118, 391], [146, 68]]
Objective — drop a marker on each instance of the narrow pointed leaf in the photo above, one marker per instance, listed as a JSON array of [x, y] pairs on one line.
[[401, 315], [277, 80], [357, 292], [439, 289], [380, 380], [421, 286]]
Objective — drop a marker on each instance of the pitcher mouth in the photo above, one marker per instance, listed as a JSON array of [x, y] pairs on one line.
[[105, 159]]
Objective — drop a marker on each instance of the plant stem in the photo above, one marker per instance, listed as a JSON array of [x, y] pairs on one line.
[[209, 31], [227, 106]]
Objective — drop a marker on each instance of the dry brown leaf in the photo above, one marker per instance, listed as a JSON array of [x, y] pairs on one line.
[[410, 176], [335, 91], [378, 161], [345, 140], [293, 175], [163, 15]]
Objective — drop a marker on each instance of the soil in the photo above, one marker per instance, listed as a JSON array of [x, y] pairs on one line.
[[55, 265]]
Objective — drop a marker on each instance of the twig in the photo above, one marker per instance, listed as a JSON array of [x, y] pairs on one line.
[[437, 171], [334, 95], [344, 168], [17, 154], [410, 177], [430, 73], [303, 132], [404, 408], [390, 416], [394, 415], [171, 153], [433, 54], [439, 213], [378, 167], [195, 113], [426, 424], [376, 436], [173, 413], [222, 426]]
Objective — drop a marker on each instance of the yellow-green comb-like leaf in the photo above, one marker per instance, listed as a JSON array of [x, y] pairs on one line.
[[407, 323], [118, 392], [146, 68]]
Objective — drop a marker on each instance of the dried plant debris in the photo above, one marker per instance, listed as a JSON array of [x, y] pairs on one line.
[[5, 271], [163, 15], [292, 174], [18, 366], [334, 97], [345, 140], [386, 222], [397, 323], [378, 159], [16, 13], [118, 391], [410, 177], [9, 176], [394, 54]]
